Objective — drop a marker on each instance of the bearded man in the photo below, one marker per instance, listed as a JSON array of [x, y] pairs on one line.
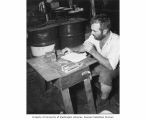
[[103, 45]]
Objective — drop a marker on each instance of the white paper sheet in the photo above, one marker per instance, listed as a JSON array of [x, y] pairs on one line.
[[74, 57]]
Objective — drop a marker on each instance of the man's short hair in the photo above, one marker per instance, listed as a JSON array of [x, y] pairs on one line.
[[103, 20]]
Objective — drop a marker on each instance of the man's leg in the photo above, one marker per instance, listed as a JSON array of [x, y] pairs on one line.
[[105, 79], [105, 91]]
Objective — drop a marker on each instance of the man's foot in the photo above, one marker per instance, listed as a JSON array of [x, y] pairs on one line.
[[101, 104], [105, 112]]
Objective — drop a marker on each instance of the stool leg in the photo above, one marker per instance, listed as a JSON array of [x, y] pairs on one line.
[[89, 96], [67, 101]]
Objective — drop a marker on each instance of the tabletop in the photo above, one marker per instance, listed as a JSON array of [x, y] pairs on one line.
[[50, 70]]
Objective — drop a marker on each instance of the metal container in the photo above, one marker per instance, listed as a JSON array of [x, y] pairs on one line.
[[72, 33], [43, 39]]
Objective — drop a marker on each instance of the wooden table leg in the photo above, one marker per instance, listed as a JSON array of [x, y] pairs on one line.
[[89, 96], [67, 101]]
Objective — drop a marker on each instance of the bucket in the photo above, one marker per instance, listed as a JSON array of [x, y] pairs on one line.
[[43, 39], [72, 33], [39, 51]]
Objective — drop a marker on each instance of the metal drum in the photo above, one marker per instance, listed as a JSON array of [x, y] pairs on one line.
[[43, 39], [72, 33]]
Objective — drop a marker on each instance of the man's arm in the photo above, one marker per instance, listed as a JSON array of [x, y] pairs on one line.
[[82, 48], [102, 60], [79, 49], [75, 49]]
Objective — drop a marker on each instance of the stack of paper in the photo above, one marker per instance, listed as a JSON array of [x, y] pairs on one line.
[[74, 57]]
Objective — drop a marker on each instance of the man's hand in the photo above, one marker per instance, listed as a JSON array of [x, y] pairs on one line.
[[93, 51], [88, 46], [66, 50]]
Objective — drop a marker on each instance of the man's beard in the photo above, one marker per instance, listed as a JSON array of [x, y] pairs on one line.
[[100, 37]]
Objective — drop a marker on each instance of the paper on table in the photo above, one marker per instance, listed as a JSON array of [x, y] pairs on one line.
[[74, 57]]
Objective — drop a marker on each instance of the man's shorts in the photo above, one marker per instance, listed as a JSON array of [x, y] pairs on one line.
[[105, 75]]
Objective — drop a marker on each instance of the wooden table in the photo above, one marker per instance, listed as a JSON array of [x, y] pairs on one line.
[[51, 71]]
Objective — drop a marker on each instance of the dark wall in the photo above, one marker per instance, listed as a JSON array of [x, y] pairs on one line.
[[32, 6], [111, 7]]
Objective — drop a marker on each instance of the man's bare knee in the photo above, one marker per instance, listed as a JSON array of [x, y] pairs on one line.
[[105, 78], [105, 90]]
